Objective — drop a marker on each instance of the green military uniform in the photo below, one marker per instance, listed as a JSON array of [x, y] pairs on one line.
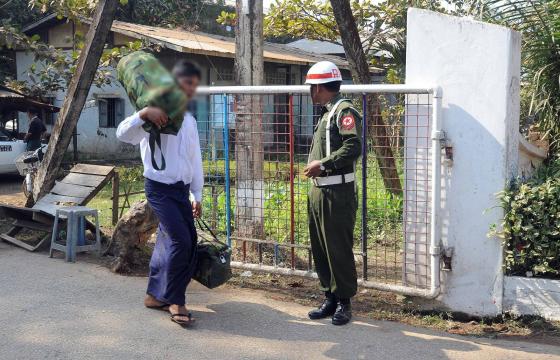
[[332, 208]]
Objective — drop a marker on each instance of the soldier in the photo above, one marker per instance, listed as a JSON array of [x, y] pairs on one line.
[[333, 201]]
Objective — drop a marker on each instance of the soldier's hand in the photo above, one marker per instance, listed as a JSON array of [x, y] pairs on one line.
[[154, 115], [313, 169]]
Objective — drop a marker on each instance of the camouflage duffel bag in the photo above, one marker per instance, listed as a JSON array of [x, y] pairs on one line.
[[213, 259], [148, 83]]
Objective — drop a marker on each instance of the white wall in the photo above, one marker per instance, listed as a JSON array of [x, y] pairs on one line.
[[477, 66], [532, 296]]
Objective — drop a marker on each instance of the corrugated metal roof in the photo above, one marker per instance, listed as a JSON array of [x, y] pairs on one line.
[[214, 45], [6, 94], [12, 100], [317, 46], [202, 43]]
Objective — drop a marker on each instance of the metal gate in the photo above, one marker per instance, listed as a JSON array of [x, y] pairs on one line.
[[255, 141]]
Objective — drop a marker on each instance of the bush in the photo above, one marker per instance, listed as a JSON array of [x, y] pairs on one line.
[[531, 227]]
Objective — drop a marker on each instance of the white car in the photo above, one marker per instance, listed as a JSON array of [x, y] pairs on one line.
[[10, 149]]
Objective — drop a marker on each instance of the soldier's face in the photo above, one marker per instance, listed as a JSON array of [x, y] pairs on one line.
[[315, 96], [189, 84], [319, 95]]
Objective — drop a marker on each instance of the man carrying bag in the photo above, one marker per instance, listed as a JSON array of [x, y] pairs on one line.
[[163, 120]]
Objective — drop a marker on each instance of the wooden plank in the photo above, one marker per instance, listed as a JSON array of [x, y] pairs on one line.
[[92, 169], [47, 208], [115, 207], [72, 190], [51, 202], [33, 225], [61, 200], [44, 241], [83, 179], [43, 217], [76, 96], [97, 189], [17, 242], [13, 231], [16, 212]]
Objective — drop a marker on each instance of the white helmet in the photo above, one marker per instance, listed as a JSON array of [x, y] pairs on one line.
[[323, 72]]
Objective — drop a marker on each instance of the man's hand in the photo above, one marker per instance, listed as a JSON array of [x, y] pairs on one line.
[[196, 209], [154, 115], [313, 169]]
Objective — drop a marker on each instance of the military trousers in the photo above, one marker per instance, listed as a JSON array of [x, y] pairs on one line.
[[332, 217]]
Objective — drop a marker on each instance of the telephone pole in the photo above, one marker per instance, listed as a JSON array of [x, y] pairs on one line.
[[249, 150]]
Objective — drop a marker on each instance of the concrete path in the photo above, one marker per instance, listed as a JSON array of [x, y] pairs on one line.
[[50, 309]]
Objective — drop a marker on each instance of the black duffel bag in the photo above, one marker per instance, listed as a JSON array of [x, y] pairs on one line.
[[214, 257]]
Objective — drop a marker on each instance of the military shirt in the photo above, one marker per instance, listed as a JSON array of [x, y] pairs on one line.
[[346, 144]]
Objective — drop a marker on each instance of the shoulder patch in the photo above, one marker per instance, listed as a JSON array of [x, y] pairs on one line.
[[348, 122]]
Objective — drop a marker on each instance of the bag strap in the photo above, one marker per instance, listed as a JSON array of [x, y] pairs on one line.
[[155, 139], [201, 222]]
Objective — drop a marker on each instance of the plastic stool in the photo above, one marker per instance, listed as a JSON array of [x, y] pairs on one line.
[[75, 232]]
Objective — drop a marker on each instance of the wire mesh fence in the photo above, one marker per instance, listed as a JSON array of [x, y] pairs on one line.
[[254, 149]]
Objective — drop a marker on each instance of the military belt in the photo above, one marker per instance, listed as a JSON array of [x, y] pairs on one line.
[[334, 179]]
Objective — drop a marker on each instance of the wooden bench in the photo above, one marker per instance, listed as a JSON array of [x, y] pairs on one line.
[[76, 189]]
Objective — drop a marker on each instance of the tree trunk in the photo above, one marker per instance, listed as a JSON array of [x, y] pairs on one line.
[[249, 151], [76, 95], [360, 72], [132, 232]]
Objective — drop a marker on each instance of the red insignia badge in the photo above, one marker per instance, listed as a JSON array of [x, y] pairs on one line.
[[348, 122]]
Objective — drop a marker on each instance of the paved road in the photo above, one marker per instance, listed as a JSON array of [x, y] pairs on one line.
[[50, 309]]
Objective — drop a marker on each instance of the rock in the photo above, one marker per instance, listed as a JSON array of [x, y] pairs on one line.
[[132, 232]]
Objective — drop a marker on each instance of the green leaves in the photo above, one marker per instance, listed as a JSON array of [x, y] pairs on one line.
[[539, 23], [381, 24], [52, 68], [531, 226]]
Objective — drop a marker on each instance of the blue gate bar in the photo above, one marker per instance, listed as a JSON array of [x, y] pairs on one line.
[[364, 187], [226, 165]]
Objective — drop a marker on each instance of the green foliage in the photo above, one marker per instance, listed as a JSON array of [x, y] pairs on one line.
[[539, 23], [17, 13], [72, 9], [188, 14], [53, 68], [381, 24], [531, 226], [384, 210]]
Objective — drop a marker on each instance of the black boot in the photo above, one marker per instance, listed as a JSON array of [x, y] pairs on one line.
[[343, 313], [326, 309]]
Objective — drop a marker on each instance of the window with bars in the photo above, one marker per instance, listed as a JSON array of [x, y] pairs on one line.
[[225, 74], [111, 112], [276, 78]]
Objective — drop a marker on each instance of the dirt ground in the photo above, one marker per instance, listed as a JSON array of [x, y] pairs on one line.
[[368, 303], [10, 190]]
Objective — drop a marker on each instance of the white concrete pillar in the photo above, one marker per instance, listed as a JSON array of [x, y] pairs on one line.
[[477, 65]]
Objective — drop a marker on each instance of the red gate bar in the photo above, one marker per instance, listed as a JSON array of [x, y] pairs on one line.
[[292, 177]]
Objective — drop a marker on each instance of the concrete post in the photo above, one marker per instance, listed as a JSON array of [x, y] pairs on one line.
[[477, 65]]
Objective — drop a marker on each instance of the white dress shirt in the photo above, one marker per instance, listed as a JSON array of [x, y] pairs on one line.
[[181, 152]]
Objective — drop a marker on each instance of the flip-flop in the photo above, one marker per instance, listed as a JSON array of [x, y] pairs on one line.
[[182, 322], [163, 307]]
